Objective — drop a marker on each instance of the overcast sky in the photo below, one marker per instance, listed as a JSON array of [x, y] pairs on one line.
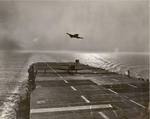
[[113, 25]]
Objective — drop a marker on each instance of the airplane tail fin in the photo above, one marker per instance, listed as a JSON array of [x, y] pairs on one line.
[[80, 37]]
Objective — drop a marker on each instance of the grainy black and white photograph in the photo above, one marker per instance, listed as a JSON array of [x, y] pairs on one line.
[[74, 59]]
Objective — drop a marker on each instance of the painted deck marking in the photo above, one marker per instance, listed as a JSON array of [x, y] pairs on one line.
[[71, 108], [115, 113], [126, 96], [51, 68], [66, 81], [137, 104], [103, 115], [132, 85], [114, 79], [112, 91], [60, 76], [85, 99], [73, 88], [54, 71]]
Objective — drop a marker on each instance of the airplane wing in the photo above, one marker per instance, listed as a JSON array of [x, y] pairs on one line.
[[76, 35], [69, 34]]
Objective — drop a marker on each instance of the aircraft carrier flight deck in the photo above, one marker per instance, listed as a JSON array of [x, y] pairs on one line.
[[70, 91]]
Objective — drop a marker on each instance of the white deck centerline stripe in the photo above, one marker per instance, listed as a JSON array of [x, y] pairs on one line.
[[73, 88], [103, 115], [112, 91], [57, 74], [54, 71], [85, 99], [115, 113], [126, 96], [60, 76], [65, 81], [72, 108], [137, 104], [132, 85], [51, 68], [114, 79]]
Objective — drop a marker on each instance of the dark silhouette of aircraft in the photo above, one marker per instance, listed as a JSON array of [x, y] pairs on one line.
[[74, 36]]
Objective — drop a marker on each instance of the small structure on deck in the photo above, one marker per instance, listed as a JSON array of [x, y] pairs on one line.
[[73, 67]]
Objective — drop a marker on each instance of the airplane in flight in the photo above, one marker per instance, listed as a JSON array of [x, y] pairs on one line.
[[74, 36]]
